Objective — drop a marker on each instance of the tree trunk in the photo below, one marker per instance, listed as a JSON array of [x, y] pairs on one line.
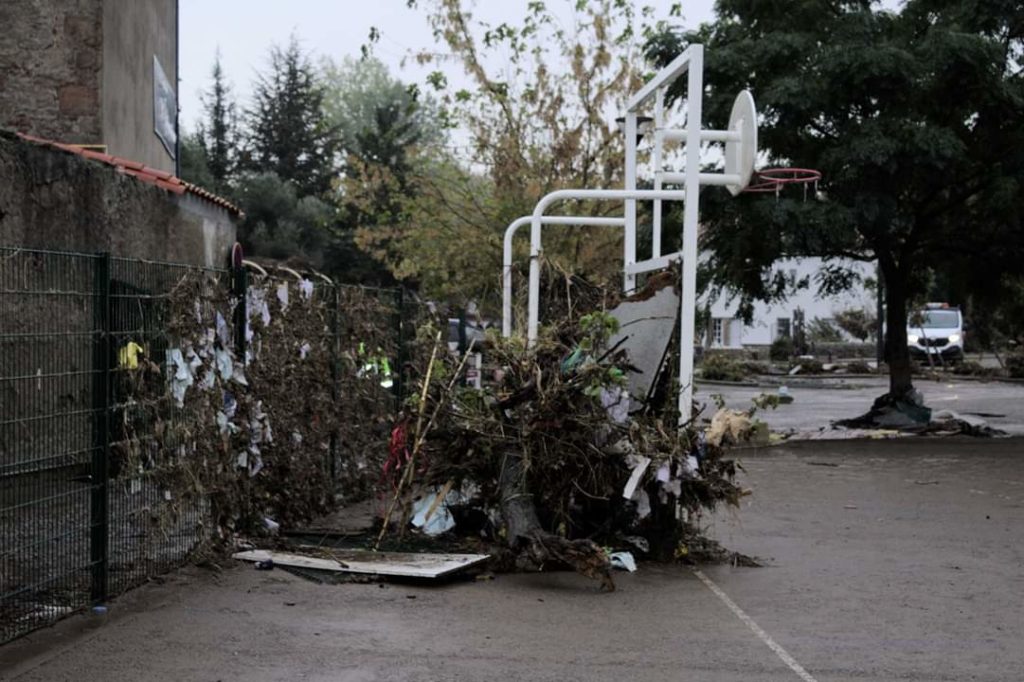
[[534, 546], [897, 352]]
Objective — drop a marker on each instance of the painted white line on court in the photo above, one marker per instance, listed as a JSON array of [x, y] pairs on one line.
[[761, 634]]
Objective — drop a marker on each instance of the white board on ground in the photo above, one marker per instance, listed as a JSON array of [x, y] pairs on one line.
[[396, 564]]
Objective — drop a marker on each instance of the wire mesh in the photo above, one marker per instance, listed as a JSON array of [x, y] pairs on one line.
[[93, 446]]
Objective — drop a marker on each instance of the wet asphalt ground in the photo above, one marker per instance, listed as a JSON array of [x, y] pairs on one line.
[[884, 560], [818, 401]]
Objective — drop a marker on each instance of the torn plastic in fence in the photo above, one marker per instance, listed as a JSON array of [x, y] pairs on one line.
[[296, 437], [180, 372], [230, 404], [135, 487], [257, 304], [238, 376], [664, 473], [432, 515], [224, 425], [242, 459], [209, 379], [259, 426], [623, 561], [306, 288], [255, 460], [304, 350], [223, 333], [225, 367], [639, 464], [282, 295]]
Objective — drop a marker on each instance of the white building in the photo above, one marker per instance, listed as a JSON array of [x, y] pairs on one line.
[[770, 321]]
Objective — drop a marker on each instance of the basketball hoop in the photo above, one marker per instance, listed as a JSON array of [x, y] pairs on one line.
[[775, 179]]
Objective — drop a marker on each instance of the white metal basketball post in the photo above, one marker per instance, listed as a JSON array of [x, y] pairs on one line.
[[740, 153]]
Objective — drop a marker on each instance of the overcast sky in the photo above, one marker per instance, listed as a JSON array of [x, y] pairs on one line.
[[244, 30]]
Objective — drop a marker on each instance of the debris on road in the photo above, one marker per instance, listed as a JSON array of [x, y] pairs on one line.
[[560, 459], [393, 564], [623, 561]]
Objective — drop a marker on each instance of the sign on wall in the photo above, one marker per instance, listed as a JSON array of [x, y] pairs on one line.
[[165, 110]]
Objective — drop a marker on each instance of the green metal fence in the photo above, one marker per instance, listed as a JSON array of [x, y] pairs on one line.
[[95, 446]]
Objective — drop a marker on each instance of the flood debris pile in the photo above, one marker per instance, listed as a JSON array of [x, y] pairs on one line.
[[553, 464], [254, 432]]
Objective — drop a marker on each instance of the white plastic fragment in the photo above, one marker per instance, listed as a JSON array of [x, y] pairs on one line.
[[306, 288], [431, 518], [623, 561], [180, 372], [271, 525], [282, 295], [640, 464], [225, 367], [615, 401], [304, 350], [222, 330]]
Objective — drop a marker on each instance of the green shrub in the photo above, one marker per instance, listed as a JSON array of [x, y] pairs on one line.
[[809, 365], [1015, 364], [781, 349], [716, 367], [858, 367], [974, 369]]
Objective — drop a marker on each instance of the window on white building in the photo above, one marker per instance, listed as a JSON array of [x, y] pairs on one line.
[[782, 328], [718, 332]]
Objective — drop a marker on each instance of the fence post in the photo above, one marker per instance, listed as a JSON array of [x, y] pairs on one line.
[[239, 287], [99, 470], [335, 332]]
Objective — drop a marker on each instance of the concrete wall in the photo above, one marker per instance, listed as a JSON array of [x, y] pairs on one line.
[[134, 31], [51, 54], [763, 327], [55, 200]]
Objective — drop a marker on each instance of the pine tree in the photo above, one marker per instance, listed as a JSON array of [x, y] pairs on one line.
[[218, 133], [288, 133]]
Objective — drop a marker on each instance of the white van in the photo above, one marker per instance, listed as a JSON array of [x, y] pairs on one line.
[[938, 331]]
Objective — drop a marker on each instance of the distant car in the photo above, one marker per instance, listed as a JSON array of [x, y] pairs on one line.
[[936, 331]]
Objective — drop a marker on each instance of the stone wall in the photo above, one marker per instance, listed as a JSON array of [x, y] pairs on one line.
[[51, 54], [81, 72], [56, 200]]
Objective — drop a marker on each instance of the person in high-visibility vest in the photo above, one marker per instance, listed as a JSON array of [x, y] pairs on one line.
[[377, 364]]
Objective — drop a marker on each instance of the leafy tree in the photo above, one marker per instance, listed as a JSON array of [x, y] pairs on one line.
[[195, 167], [913, 118], [539, 123], [288, 132], [279, 222], [218, 132], [364, 104], [858, 323], [380, 123]]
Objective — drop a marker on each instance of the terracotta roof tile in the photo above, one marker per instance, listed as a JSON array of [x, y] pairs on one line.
[[153, 176]]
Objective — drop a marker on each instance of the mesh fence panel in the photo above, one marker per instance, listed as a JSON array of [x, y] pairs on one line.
[[105, 472]]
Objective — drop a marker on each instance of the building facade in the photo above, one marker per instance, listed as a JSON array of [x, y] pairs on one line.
[[97, 73], [771, 321]]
